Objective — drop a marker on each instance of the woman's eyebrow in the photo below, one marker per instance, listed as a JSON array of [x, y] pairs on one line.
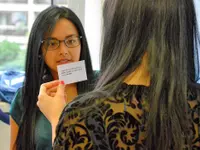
[[71, 35]]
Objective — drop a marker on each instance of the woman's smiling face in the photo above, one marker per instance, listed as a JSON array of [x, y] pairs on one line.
[[57, 53]]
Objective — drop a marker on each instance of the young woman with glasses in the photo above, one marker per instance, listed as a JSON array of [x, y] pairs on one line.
[[57, 37]]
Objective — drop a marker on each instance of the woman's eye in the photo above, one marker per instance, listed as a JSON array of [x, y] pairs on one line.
[[52, 43], [72, 41]]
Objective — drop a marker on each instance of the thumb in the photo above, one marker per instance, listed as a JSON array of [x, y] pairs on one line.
[[61, 89]]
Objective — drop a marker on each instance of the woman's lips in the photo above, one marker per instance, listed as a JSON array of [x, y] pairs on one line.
[[63, 61]]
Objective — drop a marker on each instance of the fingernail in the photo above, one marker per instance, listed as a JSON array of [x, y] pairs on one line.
[[62, 82]]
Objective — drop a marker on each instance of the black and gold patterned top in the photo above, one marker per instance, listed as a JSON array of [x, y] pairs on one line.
[[114, 124]]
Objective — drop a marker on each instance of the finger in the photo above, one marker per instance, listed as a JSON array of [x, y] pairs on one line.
[[43, 90], [51, 84], [38, 103], [53, 89], [41, 97], [53, 94], [61, 89]]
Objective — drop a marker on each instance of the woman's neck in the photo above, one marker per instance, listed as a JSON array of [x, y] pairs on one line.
[[54, 74], [71, 92], [141, 75]]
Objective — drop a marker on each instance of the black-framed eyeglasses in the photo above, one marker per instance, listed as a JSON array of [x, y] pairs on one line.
[[53, 43]]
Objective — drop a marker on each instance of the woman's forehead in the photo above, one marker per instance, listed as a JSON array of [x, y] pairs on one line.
[[63, 28]]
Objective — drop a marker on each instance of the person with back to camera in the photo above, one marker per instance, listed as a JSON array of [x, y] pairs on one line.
[[57, 37], [147, 96]]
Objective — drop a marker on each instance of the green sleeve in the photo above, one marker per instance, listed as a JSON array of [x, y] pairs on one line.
[[16, 109]]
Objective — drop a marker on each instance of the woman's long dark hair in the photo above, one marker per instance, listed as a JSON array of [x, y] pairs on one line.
[[167, 31], [35, 67]]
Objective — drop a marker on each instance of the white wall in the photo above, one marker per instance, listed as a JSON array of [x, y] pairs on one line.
[[93, 13], [197, 4], [89, 12]]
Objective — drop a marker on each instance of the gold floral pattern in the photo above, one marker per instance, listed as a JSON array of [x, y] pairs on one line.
[[115, 123]]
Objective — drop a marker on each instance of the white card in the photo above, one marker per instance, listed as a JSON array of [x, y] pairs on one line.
[[72, 72]]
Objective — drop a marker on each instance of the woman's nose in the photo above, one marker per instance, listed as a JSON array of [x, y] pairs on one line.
[[64, 50]]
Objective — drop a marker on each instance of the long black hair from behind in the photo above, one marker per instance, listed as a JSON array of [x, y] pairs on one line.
[[167, 31], [35, 67]]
